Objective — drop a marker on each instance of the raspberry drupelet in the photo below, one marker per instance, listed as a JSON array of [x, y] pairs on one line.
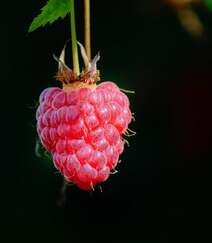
[[82, 125]]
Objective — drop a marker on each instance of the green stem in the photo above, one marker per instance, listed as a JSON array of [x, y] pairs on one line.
[[87, 28], [74, 39]]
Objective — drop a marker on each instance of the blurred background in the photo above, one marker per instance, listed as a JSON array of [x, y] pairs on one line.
[[163, 51]]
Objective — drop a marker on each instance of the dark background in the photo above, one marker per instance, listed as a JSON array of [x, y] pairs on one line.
[[161, 193]]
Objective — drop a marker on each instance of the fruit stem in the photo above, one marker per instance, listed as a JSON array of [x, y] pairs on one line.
[[75, 58], [62, 196], [87, 28]]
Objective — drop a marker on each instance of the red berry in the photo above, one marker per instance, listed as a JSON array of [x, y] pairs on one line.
[[82, 130]]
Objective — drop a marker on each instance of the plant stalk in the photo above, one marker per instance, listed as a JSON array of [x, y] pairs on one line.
[[87, 28], [75, 58], [62, 196]]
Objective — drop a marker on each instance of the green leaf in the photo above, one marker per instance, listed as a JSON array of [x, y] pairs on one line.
[[208, 4], [40, 152], [53, 10]]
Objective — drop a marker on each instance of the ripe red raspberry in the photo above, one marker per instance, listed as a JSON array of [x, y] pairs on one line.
[[82, 127]]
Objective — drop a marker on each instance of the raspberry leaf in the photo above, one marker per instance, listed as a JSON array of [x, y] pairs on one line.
[[40, 152], [53, 10], [208, 4]]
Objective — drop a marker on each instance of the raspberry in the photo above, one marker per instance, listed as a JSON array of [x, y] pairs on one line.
[[82, 125], [83, 133]]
